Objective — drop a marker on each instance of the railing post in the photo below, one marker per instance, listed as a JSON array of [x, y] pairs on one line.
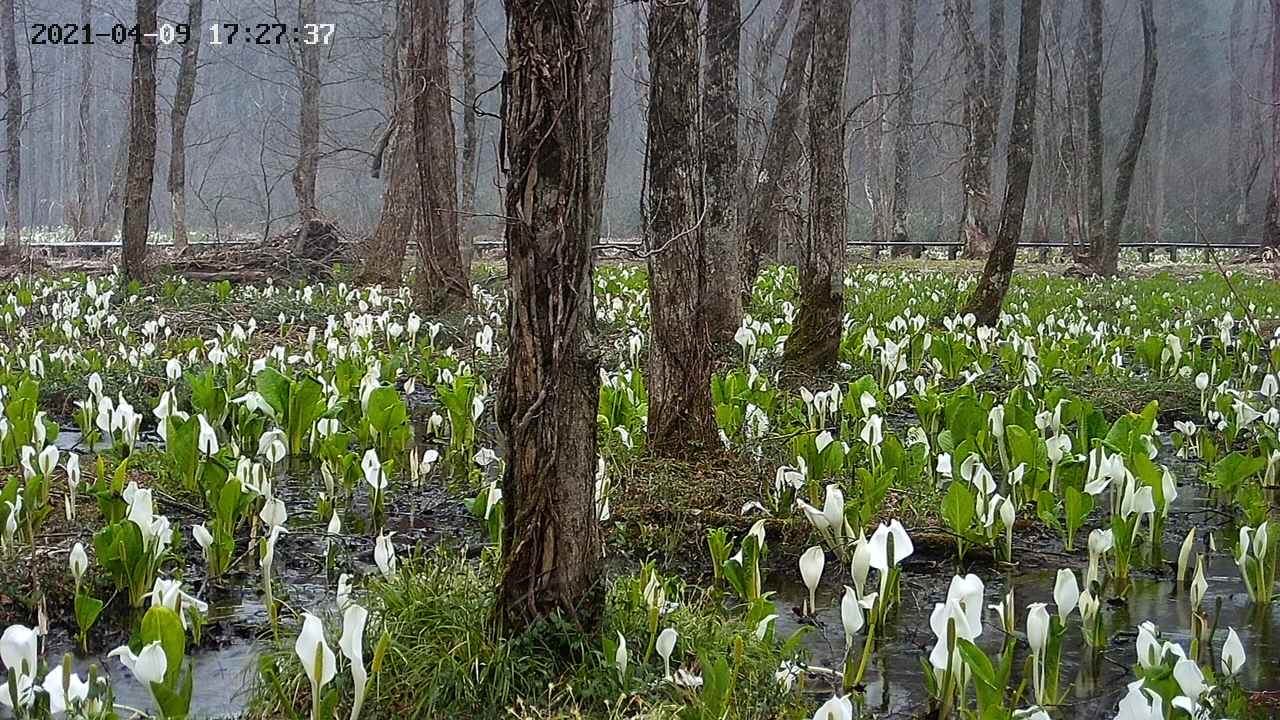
[[1173, 253], [1145, 253], [1044, 256]]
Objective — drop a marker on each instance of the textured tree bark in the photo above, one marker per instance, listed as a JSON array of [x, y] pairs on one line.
[[780, 155], [441, 282], [1235, 117], [975, 177], [1108, 260], [720, 139], [84, 134], [13, 132], [681, 414], [142, 146], [385, 250], [997, 71], [758, 102], [906, 115], [1271, 221], [1095, 209], [308, 165], [470, 132], [875, 182], [182, 98], [989, 294], [814, 343], [552, 553]]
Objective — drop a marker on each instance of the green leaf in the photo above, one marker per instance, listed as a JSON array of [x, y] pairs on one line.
[[163, 625]]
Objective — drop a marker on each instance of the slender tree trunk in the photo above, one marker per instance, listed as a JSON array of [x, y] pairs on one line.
[[1271, 222], [13, 132], [1236, 139], [760, 88], [720, 116], [997, 72], [552, 554], [115, 186], [681, 415], [814, 343], [906, 116], [988, 296], [975, 177], [84, 133], [442, 282], [142, 146], [470, 132], [1108, 261], [182, 98], [1094, 144], [308, 165], [780, 153], [875, 181]]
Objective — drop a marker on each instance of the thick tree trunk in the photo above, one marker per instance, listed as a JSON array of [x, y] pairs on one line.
[[442, 282], [814, 343], [384, 252], [720, 135], [1094, 144], [470, 132], [1271, 222], [681, 415], [553, 560], [84, 135], [13, 132], [780, 153], [182, 98], [975, 177], [142, 146], [989, 294], [1108, 260], [308, 165], [906, 116]]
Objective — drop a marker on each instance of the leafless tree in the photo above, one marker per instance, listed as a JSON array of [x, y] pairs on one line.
[[905, 120], [13, 132], [308, 165], [989, 294], [142, 145], [182, 98], [720, 105]]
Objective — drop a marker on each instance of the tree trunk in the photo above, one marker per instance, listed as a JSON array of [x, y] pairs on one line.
[[553, 559], [1271, 222], [470, 132], [780, 153], [720, 116], [119, 170], [182, 98], [442, 282], [975, 177], [765, 48], [384, 251], [997, 69], [13, 132], [84, 137], [1094, 205], [906, 115], [1235, 119], [814, 343], [681, 415], [1108, 260], [308, 165], [142, 146], [875, 183], [988, 296]]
